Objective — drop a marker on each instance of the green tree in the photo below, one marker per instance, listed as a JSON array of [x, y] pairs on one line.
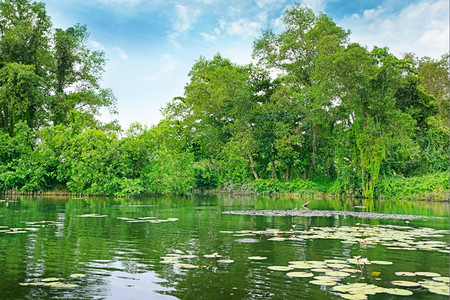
[[295, 54], [77, 73], [21, 96]]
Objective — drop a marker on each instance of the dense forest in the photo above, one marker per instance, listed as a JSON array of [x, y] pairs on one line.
[[316, 113]]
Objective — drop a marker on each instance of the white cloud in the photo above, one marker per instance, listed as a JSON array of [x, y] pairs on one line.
[[422, 28], [122, 53], [186, 16], [97, 45], [243, 27], [208, 37], [268, 3], [129, 2], [316, 5], [374, 12]]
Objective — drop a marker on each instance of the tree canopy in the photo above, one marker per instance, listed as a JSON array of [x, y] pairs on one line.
[[314, 108]]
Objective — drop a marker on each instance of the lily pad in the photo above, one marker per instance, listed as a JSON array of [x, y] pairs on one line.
[[337, 274], [185, 266], [327, 278], [257, 257], [428, 274], [321, 270], [323, 282], [405, 283], [300, 274], [53, 284], [398, 292], [50, 279], [214, 255], [225, 261], [338, 266], [77, 275], [280, 268], [444, 290], [351, 270], [442, 279], [409, 274], [360, 296], [68, 285]]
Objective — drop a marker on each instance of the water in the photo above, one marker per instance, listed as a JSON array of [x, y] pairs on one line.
[[122, 260]]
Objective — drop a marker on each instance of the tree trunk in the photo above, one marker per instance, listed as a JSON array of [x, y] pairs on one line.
[[314, 150], [296, 172], [363, 173], [274, 171], [252, 165]]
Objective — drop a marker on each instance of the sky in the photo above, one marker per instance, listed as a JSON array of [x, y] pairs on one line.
[[151, 45]]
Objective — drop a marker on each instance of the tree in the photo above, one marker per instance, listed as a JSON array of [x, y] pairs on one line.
[[24, 34], [295, 54], [76, 74], [21, 96]]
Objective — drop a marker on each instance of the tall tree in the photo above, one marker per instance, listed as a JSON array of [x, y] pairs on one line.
[[76, 74], [294, 54]]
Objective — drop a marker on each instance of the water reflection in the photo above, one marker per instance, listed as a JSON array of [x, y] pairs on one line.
[[121, 259]]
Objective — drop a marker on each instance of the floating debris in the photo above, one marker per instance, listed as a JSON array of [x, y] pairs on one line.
[[325, 213]]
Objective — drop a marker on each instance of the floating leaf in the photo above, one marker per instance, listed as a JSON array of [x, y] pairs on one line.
[[189, 256], [409, 274], [375, 274], [225, 261], [300, 274], [185, 266], [360, 296], [428, 274], [398, 292], [53, 284], [442, 279], [321, 270], [68, 285], [444, 290], [214, 255], [338, 266], [351, 270], [77, 275], [257, 257], [327, 278], [405, 283], [50, 279], [323, 282], [337, 274], [280, 268]]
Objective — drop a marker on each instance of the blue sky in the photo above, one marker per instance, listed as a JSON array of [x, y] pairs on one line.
[[152, 44]]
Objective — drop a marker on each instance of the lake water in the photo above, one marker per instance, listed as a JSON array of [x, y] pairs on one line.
[[154, 248]]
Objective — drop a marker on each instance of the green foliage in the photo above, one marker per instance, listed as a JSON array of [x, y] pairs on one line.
[[431, 186], [298, 186], [43, 77], [337, 118]]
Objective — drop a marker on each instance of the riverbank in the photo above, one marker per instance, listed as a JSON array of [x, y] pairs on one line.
[[431, 187]]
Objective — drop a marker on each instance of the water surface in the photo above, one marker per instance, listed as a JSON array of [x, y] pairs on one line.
[[50, 237]]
